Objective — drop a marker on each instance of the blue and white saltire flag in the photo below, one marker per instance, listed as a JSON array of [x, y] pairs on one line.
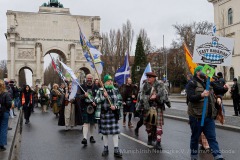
[[123, 72], [93, 51], [144, 77]]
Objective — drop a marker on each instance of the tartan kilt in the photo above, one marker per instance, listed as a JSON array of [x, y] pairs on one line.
[[88, 118], [108, 125]]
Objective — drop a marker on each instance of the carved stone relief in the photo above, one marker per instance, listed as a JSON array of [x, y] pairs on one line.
[[26, 53]]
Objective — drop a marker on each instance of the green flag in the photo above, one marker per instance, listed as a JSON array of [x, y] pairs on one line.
[[209, 71]]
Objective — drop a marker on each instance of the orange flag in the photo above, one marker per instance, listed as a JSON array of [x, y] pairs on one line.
[[191, 64]]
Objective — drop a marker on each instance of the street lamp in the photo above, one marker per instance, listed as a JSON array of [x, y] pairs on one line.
[[166, 59]]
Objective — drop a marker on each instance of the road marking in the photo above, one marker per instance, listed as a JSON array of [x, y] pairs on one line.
[[136, 140]]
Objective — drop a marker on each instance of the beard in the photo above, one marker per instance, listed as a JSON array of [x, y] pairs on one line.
[[111, 86], [89, 83]]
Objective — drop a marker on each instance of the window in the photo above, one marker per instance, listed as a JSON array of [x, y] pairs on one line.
[[231, 73], [230, 16]]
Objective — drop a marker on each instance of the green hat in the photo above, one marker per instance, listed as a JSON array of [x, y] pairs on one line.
[[107, 77], [197, 69]]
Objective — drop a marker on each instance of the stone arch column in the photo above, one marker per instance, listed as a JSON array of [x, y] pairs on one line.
[[72, 55], [38, 49], [12, 55]]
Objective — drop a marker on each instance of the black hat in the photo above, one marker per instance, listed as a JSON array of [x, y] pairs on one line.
[[234, 79], [11, 82], [151, 74], [219, 74]]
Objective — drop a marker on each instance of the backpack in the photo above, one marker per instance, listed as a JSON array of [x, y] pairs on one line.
[[2, 104]]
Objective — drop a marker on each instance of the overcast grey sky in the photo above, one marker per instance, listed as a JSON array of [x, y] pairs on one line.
[[155, 16]]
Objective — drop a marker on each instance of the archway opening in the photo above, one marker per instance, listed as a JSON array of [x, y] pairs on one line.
[[81, 74], [50, 74], [25, 77]]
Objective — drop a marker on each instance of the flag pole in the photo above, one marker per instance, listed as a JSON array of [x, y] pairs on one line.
[[94, 65], [56, 71], [80, 87]]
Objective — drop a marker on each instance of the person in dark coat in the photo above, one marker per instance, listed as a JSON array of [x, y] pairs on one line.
[[86, 94], [27, 102], [236, 97], [5, 105], [196, 93], [129, 95]]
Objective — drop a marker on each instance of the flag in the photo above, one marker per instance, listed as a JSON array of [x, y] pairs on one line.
[[69, 70], [88, 49], [214, 29], [75, 82], [57, 69], [73, 90], [189, 59], [144, 77], [123, 72]]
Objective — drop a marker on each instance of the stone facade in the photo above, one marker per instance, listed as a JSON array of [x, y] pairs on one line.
[[227, 20], [30, 36]]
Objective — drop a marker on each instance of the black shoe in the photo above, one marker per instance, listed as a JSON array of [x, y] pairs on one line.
[[235, 115], [117, 152], [92, 140], [84, 141], [105, 151], [27, 122], [14, 114], [136, 132], [9, 128], [2, 148], [149, 140], [158, 146]]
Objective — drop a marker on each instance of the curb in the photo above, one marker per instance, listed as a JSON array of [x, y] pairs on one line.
[[225, 105], [225, 127]]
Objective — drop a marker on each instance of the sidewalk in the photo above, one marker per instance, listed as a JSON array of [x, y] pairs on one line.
[[231, 122], [182, 99], [10, 147]]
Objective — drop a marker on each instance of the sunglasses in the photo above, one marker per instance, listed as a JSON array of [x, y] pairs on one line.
[[149, 76]]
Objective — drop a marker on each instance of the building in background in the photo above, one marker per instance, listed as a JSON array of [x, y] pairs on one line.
[[227, 21], [30, 36]]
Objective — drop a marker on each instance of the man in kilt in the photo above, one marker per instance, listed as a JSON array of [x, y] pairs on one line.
[[153, 96], [88, 107], [109, 101], [129, 94]]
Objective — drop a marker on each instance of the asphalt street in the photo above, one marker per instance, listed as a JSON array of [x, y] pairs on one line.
[[43, 139]]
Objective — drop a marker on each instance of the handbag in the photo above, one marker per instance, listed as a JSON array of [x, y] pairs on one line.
[[152, 116]]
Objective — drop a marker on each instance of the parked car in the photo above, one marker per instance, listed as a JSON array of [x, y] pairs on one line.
[[183, 92]]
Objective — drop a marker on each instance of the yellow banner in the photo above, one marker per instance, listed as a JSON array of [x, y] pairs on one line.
[[191, 64]]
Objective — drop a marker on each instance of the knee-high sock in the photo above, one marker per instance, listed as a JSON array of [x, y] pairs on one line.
[[105, 140], [129, 117], [115, 140], [92, 126], [85, 130]]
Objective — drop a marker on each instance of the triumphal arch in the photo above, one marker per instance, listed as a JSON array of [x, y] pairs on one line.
[[30, 36]]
